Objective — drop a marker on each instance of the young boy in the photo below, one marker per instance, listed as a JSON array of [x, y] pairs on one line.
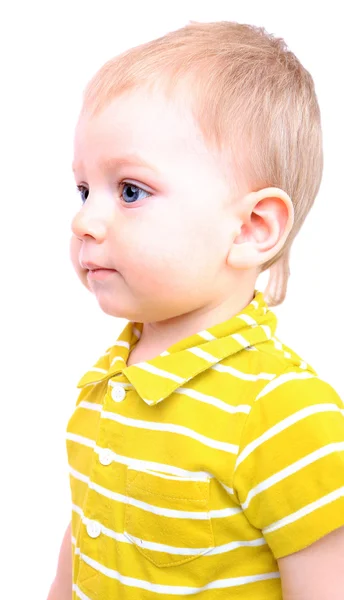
[[206, 458]]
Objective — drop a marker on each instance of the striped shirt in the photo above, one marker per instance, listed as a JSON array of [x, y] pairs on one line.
[[192, 473]]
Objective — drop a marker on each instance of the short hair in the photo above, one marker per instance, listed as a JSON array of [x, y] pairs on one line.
[[254, 102]]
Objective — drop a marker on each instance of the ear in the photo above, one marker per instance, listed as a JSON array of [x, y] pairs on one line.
[[266, 219]]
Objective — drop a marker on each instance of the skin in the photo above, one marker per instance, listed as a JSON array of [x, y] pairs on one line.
[[186, 256], [187, 253], [317, 572]]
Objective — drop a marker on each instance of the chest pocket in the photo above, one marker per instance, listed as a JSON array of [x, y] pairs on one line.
[[167, 518]]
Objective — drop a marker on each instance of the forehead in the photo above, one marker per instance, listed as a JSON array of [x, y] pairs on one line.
[[141, 122]]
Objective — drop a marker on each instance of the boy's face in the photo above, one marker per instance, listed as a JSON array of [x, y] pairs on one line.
[[164, 230]]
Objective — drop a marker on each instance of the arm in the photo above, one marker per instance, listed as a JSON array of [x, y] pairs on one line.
[[61, 588], [317, 572], [289, 480]]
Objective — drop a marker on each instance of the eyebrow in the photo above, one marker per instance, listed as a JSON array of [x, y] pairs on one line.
[[128, 160]]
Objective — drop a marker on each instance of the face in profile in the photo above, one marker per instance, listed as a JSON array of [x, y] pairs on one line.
[[153, 210]]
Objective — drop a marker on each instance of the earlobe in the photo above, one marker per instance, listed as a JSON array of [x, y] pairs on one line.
[[266, 220]]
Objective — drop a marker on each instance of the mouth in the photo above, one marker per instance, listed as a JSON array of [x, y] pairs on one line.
[[95, 271], [100, 273]]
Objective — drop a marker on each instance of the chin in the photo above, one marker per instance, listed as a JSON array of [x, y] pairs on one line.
[[120, 311]]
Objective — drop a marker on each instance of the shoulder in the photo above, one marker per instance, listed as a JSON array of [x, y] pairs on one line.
[[289, 471], [283, 374], [295, 408]]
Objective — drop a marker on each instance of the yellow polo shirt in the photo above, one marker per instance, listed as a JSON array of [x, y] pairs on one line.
[[193, 472]]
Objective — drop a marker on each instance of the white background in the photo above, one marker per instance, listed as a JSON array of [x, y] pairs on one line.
[[51, 328]]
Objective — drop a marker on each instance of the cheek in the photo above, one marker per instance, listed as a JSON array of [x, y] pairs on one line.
[[172, 250], [74, 250]]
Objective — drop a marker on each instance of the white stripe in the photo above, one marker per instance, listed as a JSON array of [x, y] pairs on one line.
[[224, 548], [291, 469], [171, 428], [240, 339], [266, 330], [206, 335], [165, 353], [278, 345], [156, 510], [222, 513], [281, 379], [255, 303], [176, 590], [164, 548], [97, 370], [78, 591], [306, 510], [150, 402], [78, 510], [137, 332], [173, 478], [155, 371], [245, 376], [234, 545], [229, 408], [141, 465], [115, 359], [92, 383], [122, 344], [202, 354], [73, 540], [247, 319], [80, 476], [74, 437], [228, 489], [119, 537], [90, 405], [284, 424], [303, 365], [128, 539]]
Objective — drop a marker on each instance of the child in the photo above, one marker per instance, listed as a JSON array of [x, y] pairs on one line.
[[206, 458]]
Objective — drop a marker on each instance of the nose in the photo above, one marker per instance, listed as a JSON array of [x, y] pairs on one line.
[[90, 221]]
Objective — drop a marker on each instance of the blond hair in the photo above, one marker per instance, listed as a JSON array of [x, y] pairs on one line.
[[253, 101]]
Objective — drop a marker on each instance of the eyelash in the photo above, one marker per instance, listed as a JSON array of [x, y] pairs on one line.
[[83, 188]]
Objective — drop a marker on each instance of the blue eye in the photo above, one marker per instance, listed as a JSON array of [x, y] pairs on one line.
[[83, 191], [131, 193]]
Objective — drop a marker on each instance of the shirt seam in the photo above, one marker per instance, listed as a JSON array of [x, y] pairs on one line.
[[253, 404]]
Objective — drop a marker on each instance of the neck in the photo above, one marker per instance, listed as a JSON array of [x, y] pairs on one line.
[[158, 336]]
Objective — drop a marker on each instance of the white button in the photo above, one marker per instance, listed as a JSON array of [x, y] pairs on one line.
[[118, 393], [93, 529], [105, 457]]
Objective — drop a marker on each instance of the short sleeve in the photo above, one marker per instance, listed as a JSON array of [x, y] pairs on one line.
[[289, 473]]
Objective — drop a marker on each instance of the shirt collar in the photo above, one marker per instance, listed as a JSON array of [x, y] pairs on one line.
[[158, 378]]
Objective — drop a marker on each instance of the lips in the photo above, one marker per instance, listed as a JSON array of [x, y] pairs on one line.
[[90, 266]]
